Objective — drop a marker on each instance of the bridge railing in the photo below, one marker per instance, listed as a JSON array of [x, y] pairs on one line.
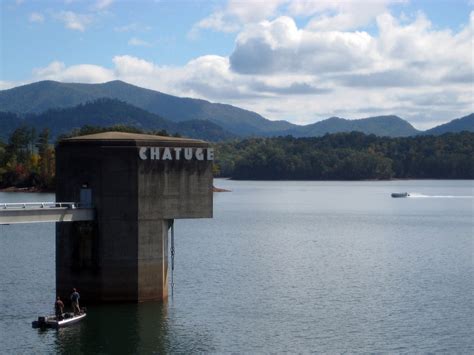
[[35, 205]]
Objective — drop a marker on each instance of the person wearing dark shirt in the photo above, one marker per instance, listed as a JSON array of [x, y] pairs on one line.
[[75, 301], [59, 308]]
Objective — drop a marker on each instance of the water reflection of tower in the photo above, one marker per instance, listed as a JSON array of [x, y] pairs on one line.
[[118, 329]]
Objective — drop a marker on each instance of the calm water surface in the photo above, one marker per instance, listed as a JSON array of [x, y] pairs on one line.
[[282, 267]]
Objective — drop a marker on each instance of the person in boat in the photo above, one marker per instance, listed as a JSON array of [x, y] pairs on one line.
[[75, 301], [59, 308]]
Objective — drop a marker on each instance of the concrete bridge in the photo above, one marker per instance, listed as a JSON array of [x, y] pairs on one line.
[[129, 188]]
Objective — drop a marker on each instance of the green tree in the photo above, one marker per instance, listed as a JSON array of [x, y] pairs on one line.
[[348, 156], [46, 159], [19, 145]]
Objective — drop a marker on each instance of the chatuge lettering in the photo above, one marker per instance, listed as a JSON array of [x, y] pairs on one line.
[[175, 153]]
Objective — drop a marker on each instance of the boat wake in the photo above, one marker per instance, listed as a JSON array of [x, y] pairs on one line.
[[418, 195]]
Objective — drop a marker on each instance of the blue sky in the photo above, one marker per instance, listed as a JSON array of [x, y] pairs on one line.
[[298, 60]]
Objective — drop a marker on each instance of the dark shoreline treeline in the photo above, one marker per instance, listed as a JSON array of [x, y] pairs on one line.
[[348, 156], [27, 159]]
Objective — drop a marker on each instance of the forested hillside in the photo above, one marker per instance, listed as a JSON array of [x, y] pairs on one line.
[[465, 123], [44, 95], [348, 156], [27, 158], [386, 126], [105, 113], [65, 105]]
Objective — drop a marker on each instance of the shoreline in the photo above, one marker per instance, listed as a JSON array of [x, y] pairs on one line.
[[34, 189], [218, 189], [39, 190], [350, 180], [25, 189]]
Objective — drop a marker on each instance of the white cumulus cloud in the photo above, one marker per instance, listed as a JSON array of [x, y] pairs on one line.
[[36, 17], [304, 73], [232, 17], [73, 20], [279, 46], [103, 4], [134, 41], [4, 85], [132, 27], [326, 15], [85, 73], [127, 65]]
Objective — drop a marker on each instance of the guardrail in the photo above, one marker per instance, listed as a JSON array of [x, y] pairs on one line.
[[35, 212], [31, 205]]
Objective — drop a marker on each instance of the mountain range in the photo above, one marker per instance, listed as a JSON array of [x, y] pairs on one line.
[[108, 112], [64, 106]]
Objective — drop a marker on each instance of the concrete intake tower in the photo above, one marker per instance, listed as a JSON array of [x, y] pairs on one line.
[[137, 184]]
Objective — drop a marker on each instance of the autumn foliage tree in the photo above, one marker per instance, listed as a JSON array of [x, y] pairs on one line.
[[27, 160]]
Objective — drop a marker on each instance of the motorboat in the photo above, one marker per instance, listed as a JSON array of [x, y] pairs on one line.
[[67, 318], [400, 194]]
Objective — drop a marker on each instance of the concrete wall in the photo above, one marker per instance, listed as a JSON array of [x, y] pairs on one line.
[[123, 255], [174, 189]]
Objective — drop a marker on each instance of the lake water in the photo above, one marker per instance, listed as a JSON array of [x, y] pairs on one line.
[[282, 267]]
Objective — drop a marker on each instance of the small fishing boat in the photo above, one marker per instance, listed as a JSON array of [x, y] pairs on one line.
[[400, 194], [68, 318]]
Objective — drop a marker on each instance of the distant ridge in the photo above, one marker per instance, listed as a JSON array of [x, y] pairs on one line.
[[465, 123], [109, 112], [44, 95], [197, 118], [390, 126]]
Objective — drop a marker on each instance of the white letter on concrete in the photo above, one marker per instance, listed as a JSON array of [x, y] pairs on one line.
[[155, 153], [177, 151], [167, 155], [142, 153], [199, 154], [188, 153], [210, 154]]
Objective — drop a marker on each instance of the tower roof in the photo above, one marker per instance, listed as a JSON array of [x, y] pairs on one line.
[[134, 139]]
